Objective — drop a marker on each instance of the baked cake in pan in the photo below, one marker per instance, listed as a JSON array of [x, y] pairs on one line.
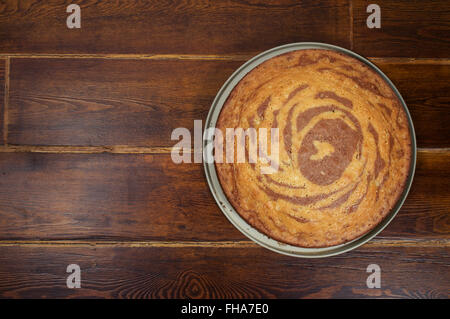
[[344, 148]]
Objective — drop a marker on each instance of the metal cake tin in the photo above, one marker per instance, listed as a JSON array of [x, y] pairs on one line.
[[228, 209]]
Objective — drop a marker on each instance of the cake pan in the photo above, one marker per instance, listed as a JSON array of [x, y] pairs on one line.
[[234, 217]]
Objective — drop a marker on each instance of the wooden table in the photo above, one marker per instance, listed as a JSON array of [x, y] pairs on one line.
[[86, 175]]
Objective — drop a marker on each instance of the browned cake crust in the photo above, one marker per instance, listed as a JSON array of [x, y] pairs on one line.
[[345, 148]]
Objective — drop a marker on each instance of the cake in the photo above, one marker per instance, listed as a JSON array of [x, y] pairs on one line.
[[344, 148]]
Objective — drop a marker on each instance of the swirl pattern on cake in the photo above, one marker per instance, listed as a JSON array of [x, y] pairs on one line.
[[345, 148]]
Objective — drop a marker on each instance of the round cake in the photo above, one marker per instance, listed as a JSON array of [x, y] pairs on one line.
[[344, 148]]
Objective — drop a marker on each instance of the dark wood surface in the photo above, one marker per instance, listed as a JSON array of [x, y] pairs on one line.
[[139, 102], [85, 170], [2, 97], [426, 90], [147, 197], [409, 28], [109, 102], [152, 27], [220, 272]]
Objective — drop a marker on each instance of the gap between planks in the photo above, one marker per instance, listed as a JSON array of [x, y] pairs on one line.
[[114, 149], [211, 244], [220, 57], [124, 149], [205, 57]]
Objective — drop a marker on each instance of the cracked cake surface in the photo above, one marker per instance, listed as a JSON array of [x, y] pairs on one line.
[[344, 148]]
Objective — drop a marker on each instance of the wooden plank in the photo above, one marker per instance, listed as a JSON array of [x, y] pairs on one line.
[[425, 212], [148, 197], [426, 90], [2, 98], [139, 102], [409, 28], [109, 102], [107, 196], [124, 272], [181, 26]]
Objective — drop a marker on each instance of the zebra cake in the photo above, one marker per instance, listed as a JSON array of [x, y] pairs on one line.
[[344, 148]]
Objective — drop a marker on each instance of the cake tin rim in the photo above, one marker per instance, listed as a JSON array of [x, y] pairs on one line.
[[234, 217]]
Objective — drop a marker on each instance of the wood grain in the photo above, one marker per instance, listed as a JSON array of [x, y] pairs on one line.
[[426, 91], [109, 102], [139, 102], [211, 26], [86, 175], [40, 272], [148, 197], [409, 28], [2, 99], [107, 196], [425, 212]]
